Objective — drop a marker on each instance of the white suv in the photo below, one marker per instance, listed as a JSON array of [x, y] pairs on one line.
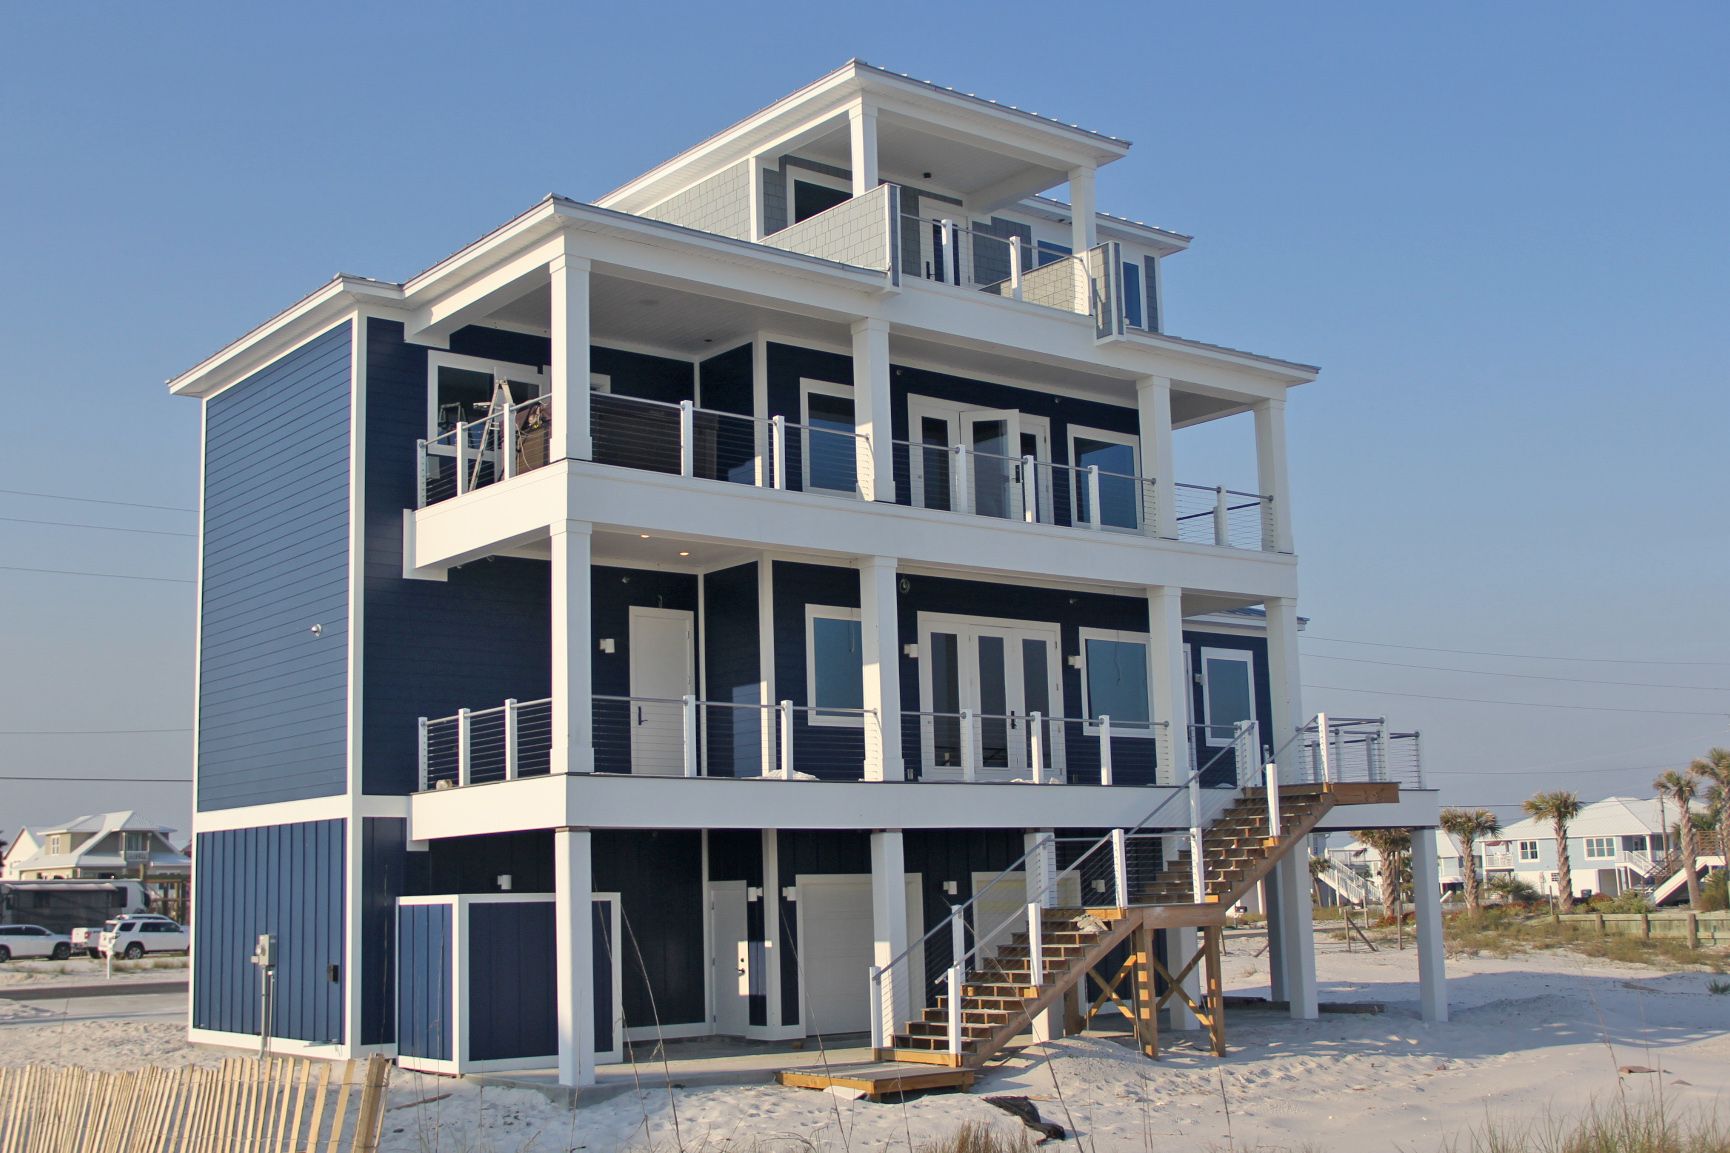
[[33, 941], [135, 936], [90, 940]]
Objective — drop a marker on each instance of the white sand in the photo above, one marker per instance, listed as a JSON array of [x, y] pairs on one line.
[[1547, 1029]]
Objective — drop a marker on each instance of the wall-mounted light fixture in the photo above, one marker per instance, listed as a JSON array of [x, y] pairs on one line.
[[608, 645], [504, 882], [790, 893], [952, 888], [1075, 661], [911, 652]]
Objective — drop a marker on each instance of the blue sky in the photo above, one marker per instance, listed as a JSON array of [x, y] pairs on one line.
[[1500, 230]]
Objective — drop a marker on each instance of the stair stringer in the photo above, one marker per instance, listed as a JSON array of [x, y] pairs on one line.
[[1280, 849]]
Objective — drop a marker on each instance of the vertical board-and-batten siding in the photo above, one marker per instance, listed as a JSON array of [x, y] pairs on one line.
[[426, 947], [287, 881], [273, 694]]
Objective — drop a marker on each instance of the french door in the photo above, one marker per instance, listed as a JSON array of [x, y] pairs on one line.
[[999, 672], [988, 480]]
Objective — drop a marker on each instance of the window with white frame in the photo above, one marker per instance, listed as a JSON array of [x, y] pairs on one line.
[[1528, 850], [834, 666], [1116, 455], [460, 388], [829, 456], [1227, 693], [1600, 848], [135, 842], [1114, 679]]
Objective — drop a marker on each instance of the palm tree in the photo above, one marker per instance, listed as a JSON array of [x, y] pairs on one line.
[[1680, 787], [1713, 771], [1559, 808], [1392, 846], [1469, 826]]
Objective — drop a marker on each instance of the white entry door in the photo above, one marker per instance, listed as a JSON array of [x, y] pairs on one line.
[[662, 672], [994, 482], [837, 948], [734, 960]]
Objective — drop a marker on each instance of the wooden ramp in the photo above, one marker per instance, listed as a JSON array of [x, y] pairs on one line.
[[877, 1079]]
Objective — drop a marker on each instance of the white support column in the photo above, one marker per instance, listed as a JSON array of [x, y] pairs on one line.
[[771, 720], [871, 409], [1292, 956], [574, 950], [1166, 679], [573, 748], [765, 465], [1042, 888], [889, 926], [862, 132], [880, 642], [570, 436], [1083, 226], [772, 929], [1180, 946], [1427, 904], [1272, 475], [1153, 401]]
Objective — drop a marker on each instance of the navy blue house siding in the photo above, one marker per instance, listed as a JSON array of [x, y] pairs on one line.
[[737, 855], [513, 994], [733, 738], [827, 751], [726, 381], [658, 875], [285, 880], [384, 865], [273, 695], [612, 592], [426, 944]]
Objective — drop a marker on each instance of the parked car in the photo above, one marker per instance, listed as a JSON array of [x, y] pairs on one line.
[[89, 940], [135, 936], [33, 941]]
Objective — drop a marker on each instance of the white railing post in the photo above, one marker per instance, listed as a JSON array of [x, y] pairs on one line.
[[1036, 746], [778, 445], [786, 710], [951, 266], [462, 457], [1322, 748], [1015, 268], [1418, 763], [1221, 518], [463, 731], [1197, 869], [963, 501], [1243, 753], [1035, 944], [955, 1010], [1093, 511], [879, 1007], [510, 739], [420, 476], [1271, 773], [1029, 490], [969, 746], [687, 438], [958, 936], [1379, 767], [688, 713], [1105, 776], [508, 438], [423, 755], [1120, 866]]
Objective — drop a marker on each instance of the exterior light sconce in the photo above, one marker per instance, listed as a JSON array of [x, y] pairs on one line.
[[911, 652], [790, 893], [753, 893], [504, 882], [608, 645], [317, 630], [951, 888], [1075, 661]]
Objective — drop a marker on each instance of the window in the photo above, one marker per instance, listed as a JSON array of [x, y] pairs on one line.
[[1528, 850], [460, 388], [135, 842], [830, 449], [1600, 848], [1114, 677], [1114, 453], [1049, 252], [810, 192], [1227, 693], [1132, 293], [834, 665]]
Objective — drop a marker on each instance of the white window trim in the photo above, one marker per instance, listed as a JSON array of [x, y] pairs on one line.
[[793, 172], [436, 359], [808, 386], [1246, 657], [1591, 856], [920, 406], [834, 613], [1088, 724], [1127, 439], [1520, 851], [1133, 259]]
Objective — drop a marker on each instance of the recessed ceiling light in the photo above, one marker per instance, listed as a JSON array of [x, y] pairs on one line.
[[643, 535], [684, 554]]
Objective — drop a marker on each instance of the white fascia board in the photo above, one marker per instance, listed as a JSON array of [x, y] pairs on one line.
[[308, 317], [341, 807], [628, 500], [1416, 809], [624, 801]]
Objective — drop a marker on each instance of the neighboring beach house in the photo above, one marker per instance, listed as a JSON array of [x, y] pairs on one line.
[[101, 846], [19, 849], [727, 607]]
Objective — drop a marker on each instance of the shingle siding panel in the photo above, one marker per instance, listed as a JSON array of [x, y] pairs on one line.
[[273, 697]]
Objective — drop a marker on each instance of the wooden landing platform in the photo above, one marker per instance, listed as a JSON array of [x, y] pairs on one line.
[[878, 1078]]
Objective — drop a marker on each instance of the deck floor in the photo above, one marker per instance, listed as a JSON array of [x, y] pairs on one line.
[[878, 1078]]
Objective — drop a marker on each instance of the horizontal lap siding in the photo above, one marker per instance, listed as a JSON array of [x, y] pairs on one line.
[[426, 949], [273, 696], [613, 592], [285, 880], [513, 996], [829, 751], [733, 737]]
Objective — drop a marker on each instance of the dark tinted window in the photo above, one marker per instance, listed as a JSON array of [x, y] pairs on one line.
[[810, 199]]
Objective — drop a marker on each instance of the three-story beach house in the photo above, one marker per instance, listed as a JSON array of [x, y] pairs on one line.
[[767, 600]]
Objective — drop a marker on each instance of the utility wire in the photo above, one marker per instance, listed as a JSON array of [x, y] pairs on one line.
[[95, 500], [119, 576], [84, 732], [99, 527], [1521, 704], [1512, 656], [1521, 676], [105, 780]]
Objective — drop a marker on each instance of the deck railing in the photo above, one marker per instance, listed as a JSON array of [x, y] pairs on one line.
[[1224, 517], [1032, 748], [1333, 750]]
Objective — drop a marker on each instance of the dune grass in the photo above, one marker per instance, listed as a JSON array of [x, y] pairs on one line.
[[1502, 933], [1645, 1126]]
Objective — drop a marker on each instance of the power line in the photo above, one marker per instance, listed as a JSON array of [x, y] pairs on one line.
[[84, 732], [1543, 772], [119, 576], [1512, 656], [1521, 676], [95, 500], [1521, 704], [100, 527], [105, 780]]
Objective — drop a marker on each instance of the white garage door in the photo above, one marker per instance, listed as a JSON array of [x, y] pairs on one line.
[[835, 949]]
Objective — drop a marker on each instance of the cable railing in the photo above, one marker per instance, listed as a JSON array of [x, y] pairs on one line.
[[959, 478], [953, 252], [1032, 748], [1335, 750], [1107, 872], [1224, 517], [509, 439], [472, 747]]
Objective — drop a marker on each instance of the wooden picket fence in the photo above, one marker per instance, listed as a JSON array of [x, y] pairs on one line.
[[269, 1105]]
